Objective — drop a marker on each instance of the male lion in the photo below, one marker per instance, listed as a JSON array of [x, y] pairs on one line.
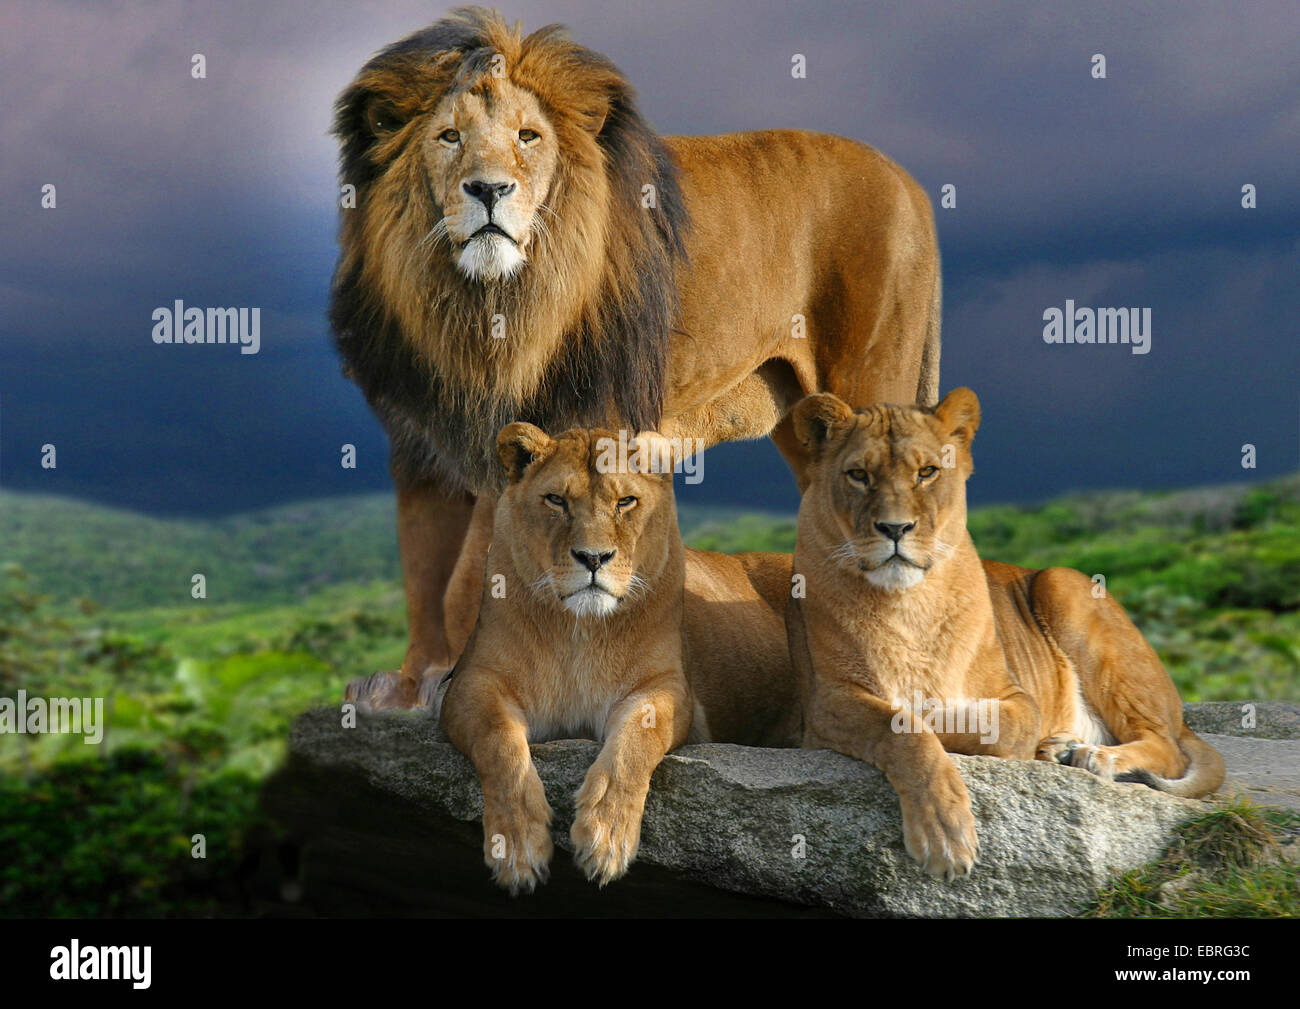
[[898, 604], [596, 621], [524, 247]]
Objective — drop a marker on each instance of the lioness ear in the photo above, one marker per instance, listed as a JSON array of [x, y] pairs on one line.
[[653, 453], [818, 419], [519, 445], [959, 413]]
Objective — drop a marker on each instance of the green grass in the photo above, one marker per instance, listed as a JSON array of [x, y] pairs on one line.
[[1237, 861]]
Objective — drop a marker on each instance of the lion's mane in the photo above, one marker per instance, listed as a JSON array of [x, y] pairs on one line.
[[592, 309]]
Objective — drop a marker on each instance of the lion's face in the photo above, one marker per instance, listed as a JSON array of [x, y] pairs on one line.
[[588, 532], [489, 156], [498, 258], [887, 496]]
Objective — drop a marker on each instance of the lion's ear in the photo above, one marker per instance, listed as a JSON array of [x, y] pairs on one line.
[[519, 445], [595, 117], [959, 414], [819, 419]]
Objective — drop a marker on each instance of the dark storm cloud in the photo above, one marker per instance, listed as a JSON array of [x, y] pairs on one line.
[[1121, 191]]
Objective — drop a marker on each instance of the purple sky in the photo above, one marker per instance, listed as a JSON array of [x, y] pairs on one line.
[[1123, 191]]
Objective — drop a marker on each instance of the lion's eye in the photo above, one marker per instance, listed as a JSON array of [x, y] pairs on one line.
[[624, 503], [858, 476], [527, 137], [927, 472], [449, 137], [555, 501]]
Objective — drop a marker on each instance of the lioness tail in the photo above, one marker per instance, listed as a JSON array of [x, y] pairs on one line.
[[1204, 773]]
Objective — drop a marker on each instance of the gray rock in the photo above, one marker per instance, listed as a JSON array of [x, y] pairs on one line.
[[388, 816], [1266, 770], [1272, 719]]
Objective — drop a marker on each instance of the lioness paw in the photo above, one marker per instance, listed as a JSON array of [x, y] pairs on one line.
[[1100, 760], [518, 852], [517, 843], [607, 828], [1057, 749], [939, 828]]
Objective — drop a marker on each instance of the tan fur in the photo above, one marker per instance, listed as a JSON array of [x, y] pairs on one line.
[[808, 262], [694, 648], [1072, 678]]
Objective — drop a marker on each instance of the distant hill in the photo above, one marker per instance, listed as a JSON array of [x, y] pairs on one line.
[[1234, 545], [125, 561]]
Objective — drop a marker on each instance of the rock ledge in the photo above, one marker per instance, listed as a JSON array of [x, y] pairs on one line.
[[388, 816]]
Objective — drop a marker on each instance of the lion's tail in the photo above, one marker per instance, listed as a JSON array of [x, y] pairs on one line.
[[927, 386], [1204, 773]]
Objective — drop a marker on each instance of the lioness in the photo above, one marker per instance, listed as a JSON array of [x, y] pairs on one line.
[[585, 630], [899, 604], [517, 243]]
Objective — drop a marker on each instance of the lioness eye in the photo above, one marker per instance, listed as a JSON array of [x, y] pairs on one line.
[[857, 475], [528, 136], [449, 137], [554, 499], [928, 471], [626, 502]]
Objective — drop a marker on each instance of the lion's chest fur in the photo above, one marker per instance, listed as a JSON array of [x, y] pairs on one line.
[[934, 639], [573, 687]]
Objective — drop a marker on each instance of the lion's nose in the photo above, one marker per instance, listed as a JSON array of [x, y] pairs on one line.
[[592, 559], [488, 192], [895, 530]]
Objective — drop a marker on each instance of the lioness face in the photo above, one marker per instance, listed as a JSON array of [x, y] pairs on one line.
[[489, 155], [889, 483], [585, 532]]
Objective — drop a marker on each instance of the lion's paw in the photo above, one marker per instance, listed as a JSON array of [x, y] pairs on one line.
[[606, 831], [1057, 749], [518, 848], [939, 828], [393, 690], [1100, 760]]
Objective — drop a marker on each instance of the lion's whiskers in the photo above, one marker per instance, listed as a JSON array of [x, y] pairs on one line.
[[438, 233], [846, 551], [541, 586], [637, 587], [539, 222]]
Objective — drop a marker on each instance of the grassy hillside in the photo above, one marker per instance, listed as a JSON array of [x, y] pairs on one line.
[[95, 602], [127, 561]]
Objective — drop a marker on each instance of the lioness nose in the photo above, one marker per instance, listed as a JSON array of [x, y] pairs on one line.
[[488, 192], [591, 559], [895, 530]]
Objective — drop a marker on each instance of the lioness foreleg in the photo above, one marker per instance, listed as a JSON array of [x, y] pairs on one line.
[[1007, 726], [640, 730], [488, 726], [938, 826]]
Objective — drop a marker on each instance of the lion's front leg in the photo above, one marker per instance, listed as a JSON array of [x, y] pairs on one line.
[[641, 729], [938, 826], [491, 730]]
